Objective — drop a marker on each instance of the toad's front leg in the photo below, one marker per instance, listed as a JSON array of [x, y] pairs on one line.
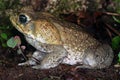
[[52, 59], [36, 58]]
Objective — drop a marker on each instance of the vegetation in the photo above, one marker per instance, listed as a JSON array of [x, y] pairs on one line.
[[116, 39], [5, 26], [7, 4], [4, 34]]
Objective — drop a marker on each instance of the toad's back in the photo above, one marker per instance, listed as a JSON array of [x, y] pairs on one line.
[[81, 47]]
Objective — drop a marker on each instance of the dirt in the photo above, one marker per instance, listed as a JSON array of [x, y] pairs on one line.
[[10, 71], [59, 73]]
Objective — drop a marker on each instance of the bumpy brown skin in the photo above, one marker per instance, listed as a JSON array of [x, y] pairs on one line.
[[58, 42]]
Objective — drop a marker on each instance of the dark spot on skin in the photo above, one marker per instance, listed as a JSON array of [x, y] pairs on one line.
[[97, 56]]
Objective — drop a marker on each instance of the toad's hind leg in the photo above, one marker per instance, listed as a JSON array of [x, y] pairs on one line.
[[98, 57], [52, 59], [36, 58]]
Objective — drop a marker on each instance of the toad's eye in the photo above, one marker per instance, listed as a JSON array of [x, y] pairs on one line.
[[23, 18]]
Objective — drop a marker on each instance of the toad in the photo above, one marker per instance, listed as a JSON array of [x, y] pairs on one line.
[[60, 42]]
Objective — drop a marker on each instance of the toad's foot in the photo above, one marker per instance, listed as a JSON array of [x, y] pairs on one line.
[[34, 60], [52, 59]]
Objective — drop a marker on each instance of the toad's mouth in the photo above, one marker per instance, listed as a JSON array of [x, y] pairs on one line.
[[16, 24]]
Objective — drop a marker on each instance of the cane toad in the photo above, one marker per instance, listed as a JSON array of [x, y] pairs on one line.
[[60, 42]]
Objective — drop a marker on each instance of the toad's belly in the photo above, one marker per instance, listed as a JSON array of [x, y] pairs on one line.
[[73, 57], [35, 43]]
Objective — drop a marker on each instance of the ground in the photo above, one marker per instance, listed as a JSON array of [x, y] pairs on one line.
[[59, 73], [10, 71]]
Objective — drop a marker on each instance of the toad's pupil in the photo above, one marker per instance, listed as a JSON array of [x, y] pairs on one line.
[[22, 19]]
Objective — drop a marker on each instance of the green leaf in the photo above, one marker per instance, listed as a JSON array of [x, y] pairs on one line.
[[4, 45], [117, 20], [46, 78], [119, 57], [116, 42], [11, 42], [4, 36]]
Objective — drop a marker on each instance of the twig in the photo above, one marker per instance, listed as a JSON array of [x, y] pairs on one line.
[[109, 33], [115, 31], [22, 53], [110, 13], [36, 60]]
